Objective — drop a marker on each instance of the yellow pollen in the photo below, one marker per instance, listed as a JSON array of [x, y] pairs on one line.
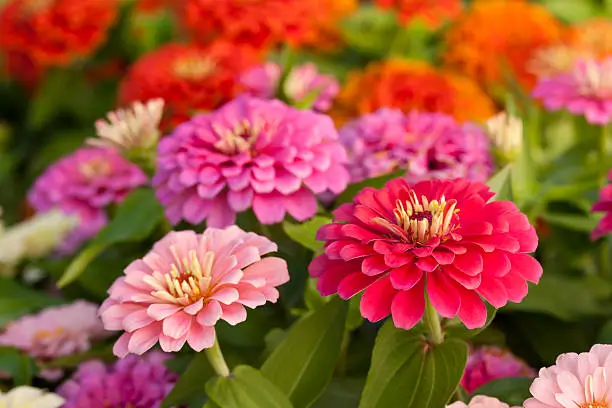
[[45, 334], [194, 68], [239, 139], [95, 167]]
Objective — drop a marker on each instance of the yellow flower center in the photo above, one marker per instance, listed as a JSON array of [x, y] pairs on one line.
[[95, 167], [46, 334], [194, 68], [239, 139]]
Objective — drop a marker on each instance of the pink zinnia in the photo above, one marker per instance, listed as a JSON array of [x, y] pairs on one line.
[[604, 205], [303, 80], [587, 90], [426, 145], [55, 332], [440, 238], [186, 283], [490, 363], [250, 153], [480, 401], [84, 183], [575, 381]]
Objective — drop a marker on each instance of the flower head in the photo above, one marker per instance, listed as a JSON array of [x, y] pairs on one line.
[[587, 90], [498, 35], [411, 85], [326, 35], [29, 397], [249, 153], [480, 401], [427, 145], [187, 77], [135, 382], [575, 381], [506, 133], [186, 283], [440, 238], [83, 184], [55, 32], [593, 36], [603, 205], [489, 363], [302, 83], [431, 12]]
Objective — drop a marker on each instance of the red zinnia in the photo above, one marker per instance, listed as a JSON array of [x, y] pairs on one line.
[[431, 12], [187, 77], [441, 238], [55, 32]]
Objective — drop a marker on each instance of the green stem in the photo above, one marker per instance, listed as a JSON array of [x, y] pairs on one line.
[[432, 322], [460, 394], [215, 357], [603, 152]]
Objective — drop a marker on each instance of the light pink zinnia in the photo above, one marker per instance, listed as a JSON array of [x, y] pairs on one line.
[[604, 205], [303, 80], [84, 183], [55, 332], [480, 401], [186, 283], [587, 90], [249, 153], [575, 381], [490, 363]]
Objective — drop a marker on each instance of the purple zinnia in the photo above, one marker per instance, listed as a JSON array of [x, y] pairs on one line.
[[250, 153], [133, 381], [84, 183], [426, 145]]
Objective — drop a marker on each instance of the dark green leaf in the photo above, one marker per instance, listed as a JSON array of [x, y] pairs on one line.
[[341, 393], [191, 384], [305, 233], [246, 388], [17, 300], [408, 372], [303, 364], [459, 331], [500, 183], [576, 222], [18, 365], [377, 182], [605, 335], [512, 391]]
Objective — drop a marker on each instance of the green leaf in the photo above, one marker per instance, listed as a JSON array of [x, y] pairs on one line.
[[303, 364], [576, 222], [511, 390], [137, 217], [459, 331], [376, 182], [342, 392], [500, 183], [605, 335], [17, 300], [305, 233], [19, 366], [246, 388], [47, 103], [191, 384], [103, 352], [571, 11], [408, 372], [371, 30]]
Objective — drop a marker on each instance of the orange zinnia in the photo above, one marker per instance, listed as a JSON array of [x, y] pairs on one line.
[[188, 77], [55, 32], [326, 35], [499, 35], [594, 37], [432, 12], [411, 85]]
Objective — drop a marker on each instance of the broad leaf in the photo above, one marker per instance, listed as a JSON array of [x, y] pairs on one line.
[[376, 182], [192, 382], [305, 233], [303, 364], [500, 183], [341, 392], [512, 391], [18, 365], [576, 222], [17, 300], [408, 372]]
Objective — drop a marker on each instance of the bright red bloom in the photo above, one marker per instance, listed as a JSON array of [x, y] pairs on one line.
[[55, 32], [188, 78], [441, 238], [431, 12]]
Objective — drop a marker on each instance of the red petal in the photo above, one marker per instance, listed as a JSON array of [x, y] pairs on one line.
[[493, 291], [374, 265], [330, 231], [490, 243], [408, 306], [469, 263], [427, 264], [357, 232], [467, 281], [398, 260], [443, 256], [354, 283], [472, 312], [516, 287], [376, 300], [496, 263], [528, 239], [527, 266], [406, 277], [443, 295], [355, 250]]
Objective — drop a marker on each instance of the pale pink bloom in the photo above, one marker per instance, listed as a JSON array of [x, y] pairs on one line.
[[576, 381], [186, 283], [587, 90], [480, 401]]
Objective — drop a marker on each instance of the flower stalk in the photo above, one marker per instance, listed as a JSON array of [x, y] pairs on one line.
[[433, 324], [216, 360]]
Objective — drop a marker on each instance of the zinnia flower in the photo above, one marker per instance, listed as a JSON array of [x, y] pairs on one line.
[[604, 205], [498, 35], [18, 66], [249, 153], [29, 397], [326, 34], [55, 332], [301, 84], [431, 12], [186, 283], [439, 238], [575, 381], [593, 36], [427, 145], [489, 363], [55, 32], [83, 184], [135, 382], [187, 77], [480, 401], [410, 85], [506, 133], [587, 90]]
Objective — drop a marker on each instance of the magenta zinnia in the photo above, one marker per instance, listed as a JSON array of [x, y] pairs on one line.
[[489, 363], [251, 153], [440, 240], [604, 205], [186, 284]]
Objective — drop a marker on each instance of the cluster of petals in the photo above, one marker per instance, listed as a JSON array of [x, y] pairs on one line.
[[496, 35], [480, 401], [489, 363], [326, 35], [187, 283], [427, 145], [55, 32], [29, 397], [585, 90], [135, 382], [83, 184], [440, 238], [189, 78], [575, 381], [250, 153], [410, 85], [301, 84], [604, 205], [431, 12]]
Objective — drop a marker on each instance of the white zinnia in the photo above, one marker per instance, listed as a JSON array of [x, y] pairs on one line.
[[29, 397], [506, 133]]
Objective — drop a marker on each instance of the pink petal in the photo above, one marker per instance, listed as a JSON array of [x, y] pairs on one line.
[[240, 200], [354, 283], [527, 266], [195, 307], [273, 269], [472, 312], [443, 295], [201, 337], [226, 295], [120, 348], [177, 325], [136, 320], [376, 301], [234, 313], [493, 291], [408, 306], [470, 263], [160, 311], [143, 339], [406, 277], [210, 314], [269, 208], [302, 204], [169, 344]]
